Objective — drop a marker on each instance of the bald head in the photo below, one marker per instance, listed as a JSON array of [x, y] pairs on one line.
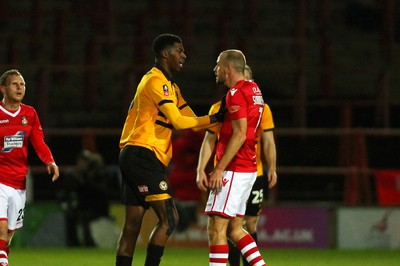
[[235, 59]]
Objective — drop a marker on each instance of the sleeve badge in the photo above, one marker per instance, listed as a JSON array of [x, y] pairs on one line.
[[165, 90]]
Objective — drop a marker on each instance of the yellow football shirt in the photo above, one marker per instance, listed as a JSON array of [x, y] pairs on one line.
[[156, 109]]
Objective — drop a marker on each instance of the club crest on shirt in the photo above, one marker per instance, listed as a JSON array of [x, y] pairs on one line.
[[165, 90], [24, 120], [163, 185]]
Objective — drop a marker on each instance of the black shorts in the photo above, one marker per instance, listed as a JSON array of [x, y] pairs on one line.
[[257, 195], [143, 177]]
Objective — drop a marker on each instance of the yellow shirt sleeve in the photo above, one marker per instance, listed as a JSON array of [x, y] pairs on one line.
[[182, 122]]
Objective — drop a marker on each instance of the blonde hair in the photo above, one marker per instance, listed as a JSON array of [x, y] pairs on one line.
[[248, 69], [11, 72], [235, 58]]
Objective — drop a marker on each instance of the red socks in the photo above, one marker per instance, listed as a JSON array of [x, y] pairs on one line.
[[3, 252], [250, 251], [219, 255]]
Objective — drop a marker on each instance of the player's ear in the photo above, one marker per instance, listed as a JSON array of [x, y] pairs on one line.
[[228, 69], [164, 53]]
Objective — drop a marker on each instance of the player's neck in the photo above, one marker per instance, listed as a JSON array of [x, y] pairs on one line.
[[10, 105], [165, 69], [234, 79]]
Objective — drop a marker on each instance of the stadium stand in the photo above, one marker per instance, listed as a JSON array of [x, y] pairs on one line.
[[328, 75]]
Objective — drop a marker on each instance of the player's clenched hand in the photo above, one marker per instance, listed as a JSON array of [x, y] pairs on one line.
[[53, 168], [202, 180], [215, 180], [220, 115]]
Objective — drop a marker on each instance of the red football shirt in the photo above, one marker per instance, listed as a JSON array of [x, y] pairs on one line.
[[244, 100], [16, 129]]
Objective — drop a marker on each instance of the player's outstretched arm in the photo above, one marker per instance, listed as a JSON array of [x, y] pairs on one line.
[[179, 121]]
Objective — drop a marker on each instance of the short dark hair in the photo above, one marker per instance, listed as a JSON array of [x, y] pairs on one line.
[[11, 72], [164, 41]]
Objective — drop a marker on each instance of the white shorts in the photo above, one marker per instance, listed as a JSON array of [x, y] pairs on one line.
[[231, 200], [12, 205]]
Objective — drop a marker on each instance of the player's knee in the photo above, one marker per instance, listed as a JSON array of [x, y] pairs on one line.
[[131, 230], [215, 235], [235, 233], [172, 216], [250, 224], [251, 230], [9, 238]]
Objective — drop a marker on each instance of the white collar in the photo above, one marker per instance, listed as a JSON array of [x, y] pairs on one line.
[[10, 113]]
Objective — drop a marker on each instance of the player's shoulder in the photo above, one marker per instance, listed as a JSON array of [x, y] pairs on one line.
[[249, 86], [27, 108], [249, 83], [156, 77], [154, 74]]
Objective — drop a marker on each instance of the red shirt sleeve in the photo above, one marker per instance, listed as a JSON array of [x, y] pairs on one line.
[[37, 140]]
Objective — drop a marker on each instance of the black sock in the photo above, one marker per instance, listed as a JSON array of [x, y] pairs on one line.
[[254, 236], [154, 255], [234, 255], [123, 261]]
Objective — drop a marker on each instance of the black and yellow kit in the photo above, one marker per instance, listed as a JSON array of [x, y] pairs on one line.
[[156, 109]]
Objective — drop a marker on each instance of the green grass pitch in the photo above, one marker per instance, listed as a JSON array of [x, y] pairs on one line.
[[199, 257]]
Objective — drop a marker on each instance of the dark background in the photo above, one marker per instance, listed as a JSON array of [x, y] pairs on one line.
[[328, 69]]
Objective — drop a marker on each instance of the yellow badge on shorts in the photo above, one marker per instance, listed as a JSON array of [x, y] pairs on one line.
[[163, 185]]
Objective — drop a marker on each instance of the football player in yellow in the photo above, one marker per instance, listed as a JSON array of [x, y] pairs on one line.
[[146, 150]]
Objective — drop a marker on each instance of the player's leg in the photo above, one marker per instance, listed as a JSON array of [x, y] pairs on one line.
[[250, 225], [12, 202], [3, 224], [131, 229], [134, 214], [221, 206], [167, 220], [243, 240], [3, 241], [9, 238], [218, 243], [234, 255], [254, 207], [135, 207]]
